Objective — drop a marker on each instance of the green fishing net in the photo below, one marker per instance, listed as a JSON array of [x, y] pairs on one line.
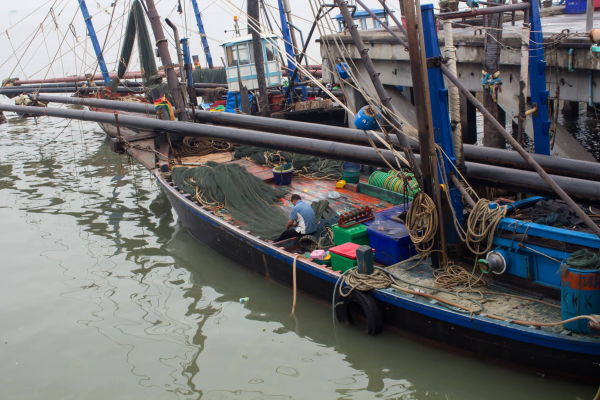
[[136, 26], [216, 75], [232, 191], [583, 259], [247, 199], [313, 167]]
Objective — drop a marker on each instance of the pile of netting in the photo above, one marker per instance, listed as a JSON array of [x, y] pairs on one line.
[[247, 199], [583, 259], [306, 166], [193, 146]]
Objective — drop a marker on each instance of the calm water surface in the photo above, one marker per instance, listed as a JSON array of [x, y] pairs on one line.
[[106, 296]]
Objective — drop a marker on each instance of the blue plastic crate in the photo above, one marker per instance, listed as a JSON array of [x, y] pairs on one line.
[[392, 241], [387, 214], [575, 6]]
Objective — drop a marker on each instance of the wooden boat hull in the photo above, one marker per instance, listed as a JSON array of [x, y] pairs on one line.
[[501, 343], [111, 130]]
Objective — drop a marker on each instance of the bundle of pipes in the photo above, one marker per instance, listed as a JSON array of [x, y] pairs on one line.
[[17, 91], [101, 83], [81, 78], [479, 154], [510, 179], [315, 70]]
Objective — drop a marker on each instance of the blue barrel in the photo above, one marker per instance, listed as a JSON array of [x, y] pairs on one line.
[[580, 294], [366, 118], [282, 174], [342, 70]]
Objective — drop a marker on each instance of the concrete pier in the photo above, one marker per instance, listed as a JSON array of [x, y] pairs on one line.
[[568, 64]]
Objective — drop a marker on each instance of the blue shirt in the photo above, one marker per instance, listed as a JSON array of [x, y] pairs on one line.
[[305, 218]]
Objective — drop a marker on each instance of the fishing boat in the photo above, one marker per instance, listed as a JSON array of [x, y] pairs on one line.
[[476, 278]]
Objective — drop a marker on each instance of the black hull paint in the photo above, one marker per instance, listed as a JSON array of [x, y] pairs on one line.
[[544, 361]]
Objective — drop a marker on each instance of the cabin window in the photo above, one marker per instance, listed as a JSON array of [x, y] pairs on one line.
[[359, 22], [370, 23], [243, 55], [231, 56], [269, 51]]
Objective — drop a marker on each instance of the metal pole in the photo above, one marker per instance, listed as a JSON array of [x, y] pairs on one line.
[[187, 66], [398, 23], [94, 38], [179, 60], [381, 93], [334, 150], [589, 16], [537, 82], [209, 59], [288, 10], [421, 106], [508, 159], [295, 74], [526, 156], [462, 190], [382, 23], [523, 80], [259, 59], [168, 66], [484, 11]]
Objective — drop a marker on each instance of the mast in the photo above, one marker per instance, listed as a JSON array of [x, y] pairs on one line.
[[289, 47], [209, 60], [94, 38], [168, 66], [259, 59], [537, 83]]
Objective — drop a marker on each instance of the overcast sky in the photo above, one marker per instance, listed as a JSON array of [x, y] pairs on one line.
[[28, 51]]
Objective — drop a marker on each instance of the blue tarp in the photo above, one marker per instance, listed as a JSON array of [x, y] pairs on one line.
[[230, 108]]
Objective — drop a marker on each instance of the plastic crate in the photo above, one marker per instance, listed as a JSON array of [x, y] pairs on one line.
[[392, 241], [342, 264], [387, 214], [575, 6], [355, 234]]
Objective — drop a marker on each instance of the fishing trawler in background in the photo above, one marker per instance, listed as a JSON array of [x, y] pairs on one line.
[[482, 251]]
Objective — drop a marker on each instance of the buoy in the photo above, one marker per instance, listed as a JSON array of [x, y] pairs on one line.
[[366, 118], [342, 70]]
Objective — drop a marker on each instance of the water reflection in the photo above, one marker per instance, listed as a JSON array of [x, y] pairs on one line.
[[154, 313]]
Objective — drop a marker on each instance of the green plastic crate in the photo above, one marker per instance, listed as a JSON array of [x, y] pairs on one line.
[[355, 234], [342, 264]]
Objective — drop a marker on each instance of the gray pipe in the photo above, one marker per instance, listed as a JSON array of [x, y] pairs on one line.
[[516, 180], [479, 154]]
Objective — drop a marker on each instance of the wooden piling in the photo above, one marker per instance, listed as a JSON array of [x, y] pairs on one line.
[[491, 64]]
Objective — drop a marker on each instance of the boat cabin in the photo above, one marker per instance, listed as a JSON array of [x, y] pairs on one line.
[[239, 59], [364, 20]]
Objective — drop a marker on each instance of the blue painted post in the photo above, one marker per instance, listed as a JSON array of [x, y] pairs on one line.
[[289, 48], [202, 35], [441, 115], [94, 38], [537, 83], [187, 66]]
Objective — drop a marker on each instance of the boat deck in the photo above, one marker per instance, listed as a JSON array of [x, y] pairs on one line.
[[497, 301]]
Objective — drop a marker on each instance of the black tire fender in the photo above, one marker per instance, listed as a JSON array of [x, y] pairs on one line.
[[366, 302]]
